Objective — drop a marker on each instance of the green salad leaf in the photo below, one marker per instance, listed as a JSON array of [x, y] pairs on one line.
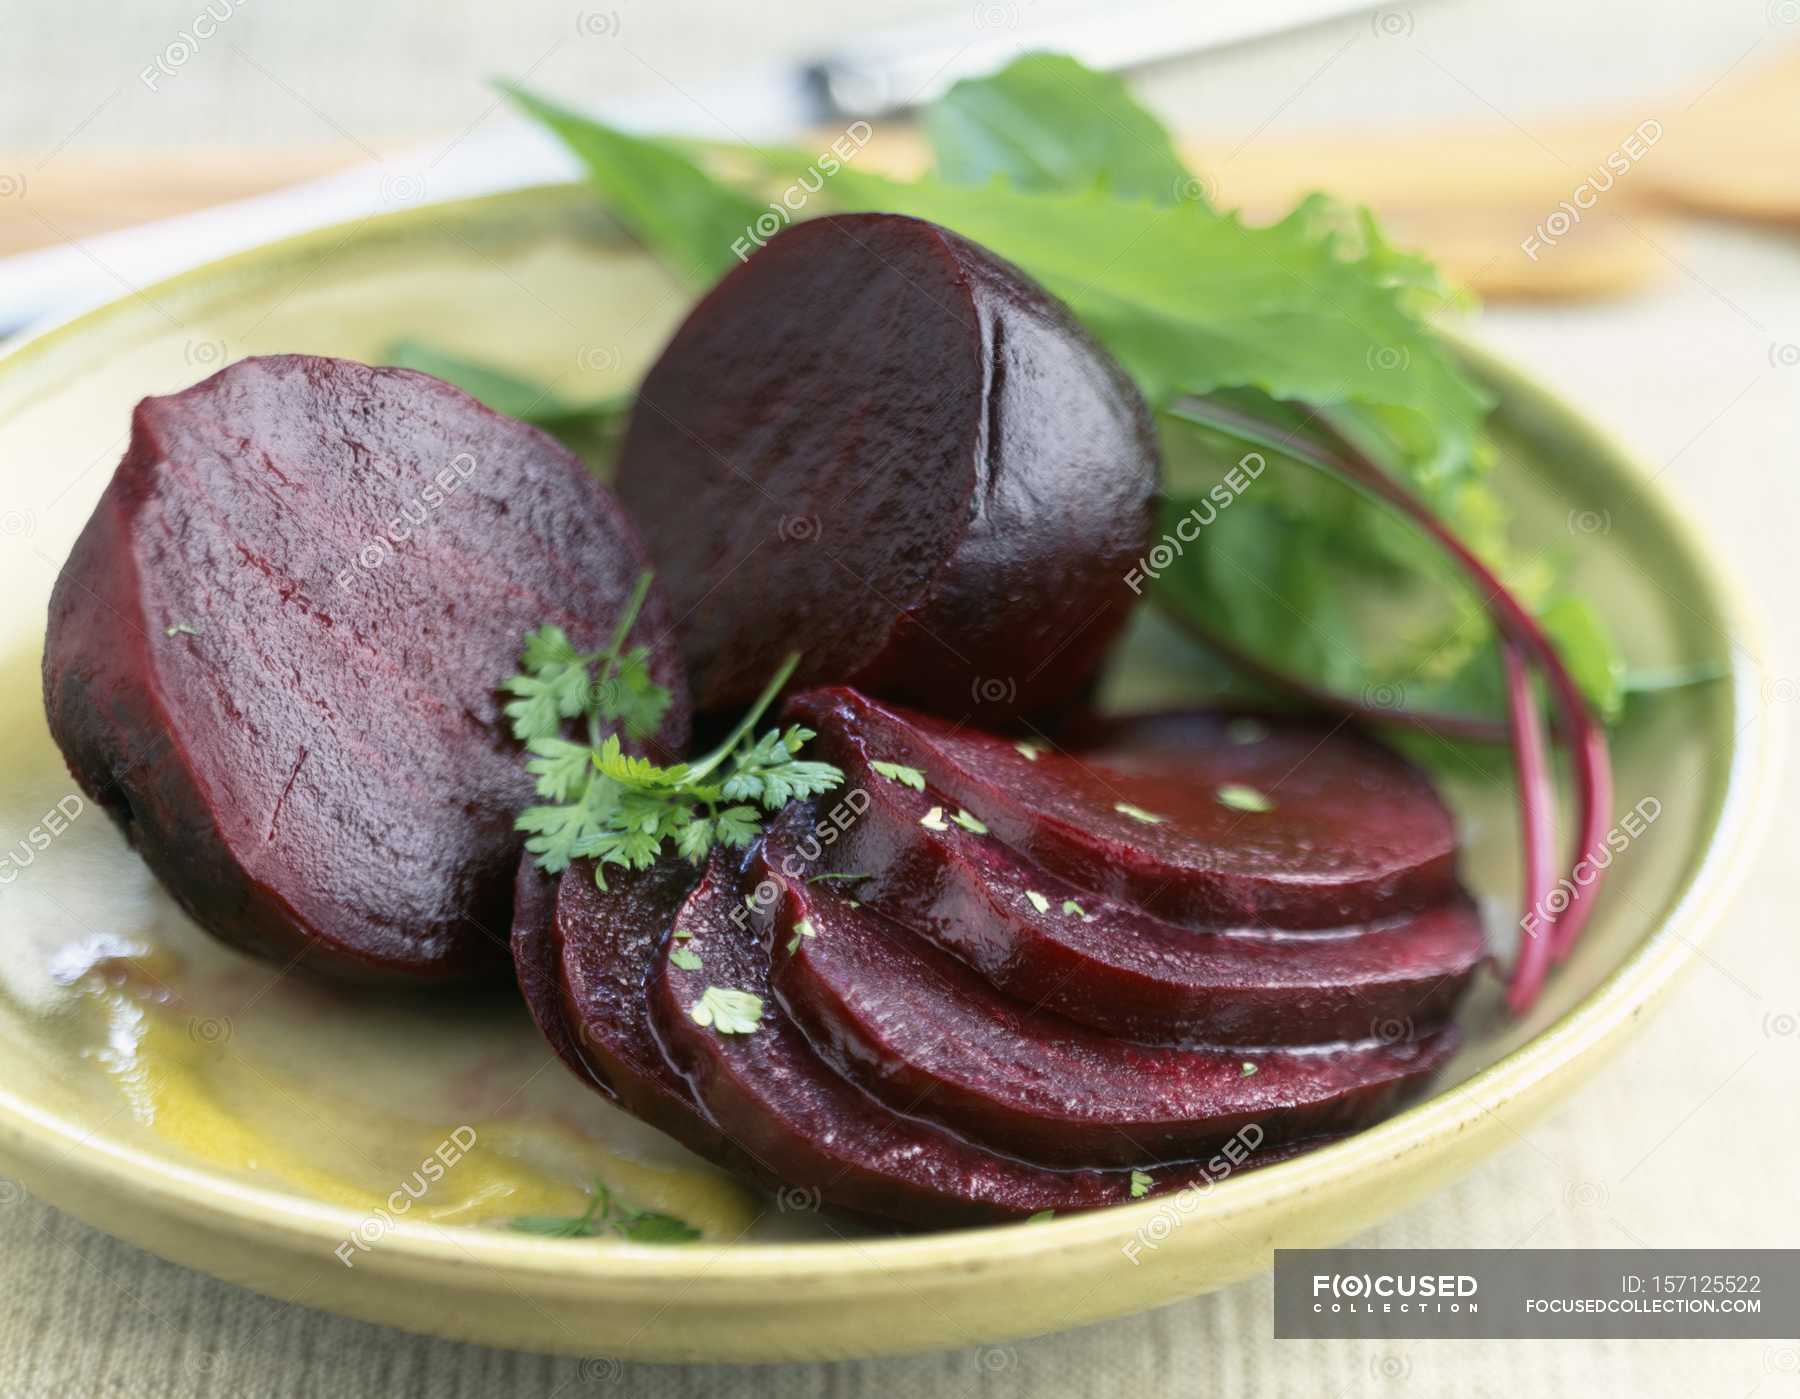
[[1047, 122]]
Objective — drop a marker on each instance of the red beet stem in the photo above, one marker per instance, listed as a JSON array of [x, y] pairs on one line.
[[1537, 817], [1340, 457]]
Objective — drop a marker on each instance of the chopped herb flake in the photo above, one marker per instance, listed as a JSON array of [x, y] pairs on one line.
[[1137, 813], [684, 958], [933, 820], [726, 1010], [969, 823], [1140, 1184], [1241, 798], [899, 772], [1030, 752], [1038, 901]]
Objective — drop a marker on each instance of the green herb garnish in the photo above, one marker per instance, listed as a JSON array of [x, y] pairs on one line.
[[684, 958], [899, 772], [1030, 752], [728, 1011], [1241, 798], [969, 823], [604, 1215], [1071, 907], [1140, 1184], [933, 820], [603, 804], [1137, 813], [1038, 901]]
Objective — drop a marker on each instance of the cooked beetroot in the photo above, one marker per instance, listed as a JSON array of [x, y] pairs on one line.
[[808, 1128], [927, 1036], [603, 943], [877, 443], [271, 655], [1170, 814], [1111, 966]]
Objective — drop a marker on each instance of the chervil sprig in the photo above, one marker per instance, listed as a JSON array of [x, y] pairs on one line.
[[610, 806]]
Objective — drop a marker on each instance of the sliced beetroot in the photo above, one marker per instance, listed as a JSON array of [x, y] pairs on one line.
[[1112, 967], [604, 943], [537, 963], [808, 1128], [879, 444], [271, 655], [927, 1036], [1294, 824]]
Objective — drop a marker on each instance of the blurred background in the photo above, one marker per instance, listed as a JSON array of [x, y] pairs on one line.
[[1669, 311]]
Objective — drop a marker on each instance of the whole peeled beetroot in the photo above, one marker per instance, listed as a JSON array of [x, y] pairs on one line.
[[878, 444], [272, 656]]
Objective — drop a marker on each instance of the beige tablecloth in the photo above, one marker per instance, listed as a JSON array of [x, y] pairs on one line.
[[1690, 1138]]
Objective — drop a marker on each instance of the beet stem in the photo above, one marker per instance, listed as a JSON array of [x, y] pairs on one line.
[[1537, 815], [1337, 456]]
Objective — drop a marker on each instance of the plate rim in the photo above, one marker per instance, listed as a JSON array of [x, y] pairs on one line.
[[1584, 1035]]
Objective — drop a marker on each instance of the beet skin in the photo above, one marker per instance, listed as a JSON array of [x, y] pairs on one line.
[[272, 655], [876, 443]]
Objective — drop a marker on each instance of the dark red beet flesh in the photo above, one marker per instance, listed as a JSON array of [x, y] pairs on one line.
[[927, 1036], [604, 945], [1356, 834], [271, 655], [1111, 966], [879, 444], [808, 1128]]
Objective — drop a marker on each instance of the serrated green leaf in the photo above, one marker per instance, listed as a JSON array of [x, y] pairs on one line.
[[1046, 122], [684, 958]]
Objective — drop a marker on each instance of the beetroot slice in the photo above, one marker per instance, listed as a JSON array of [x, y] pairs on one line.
[[812, 1130], [537, 962], [1356, 833], [927, 1036], [1113, 967], [272, 655], [604, 944], [877, 443]]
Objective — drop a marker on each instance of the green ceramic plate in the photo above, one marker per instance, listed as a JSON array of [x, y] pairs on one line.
[[276, 1134]]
